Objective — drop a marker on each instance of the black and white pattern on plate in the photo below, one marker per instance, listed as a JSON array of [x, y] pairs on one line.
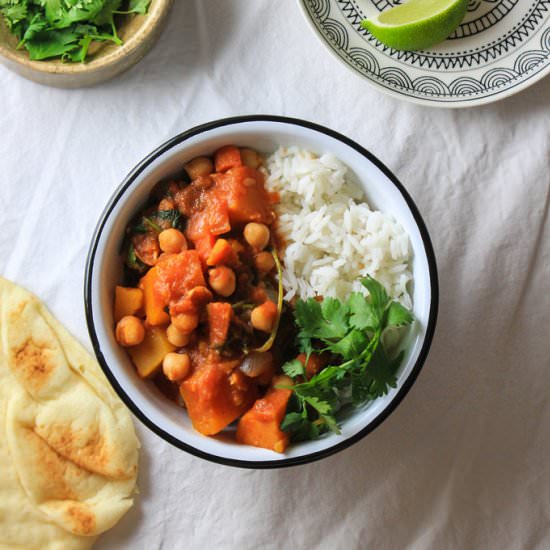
[[499, 45]]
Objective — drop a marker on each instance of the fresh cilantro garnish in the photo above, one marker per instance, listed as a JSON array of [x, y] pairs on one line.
[[294, 369], [65, 28], [362, 370]]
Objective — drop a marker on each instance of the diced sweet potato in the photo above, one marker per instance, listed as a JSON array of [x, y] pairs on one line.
[[197, 226], [217, 212], [178, 274], [219, 320], [128, 301], [227, 157], [222, 253], [260, 426], [147, 356], [212, 401], [247, 200], [314, 364], [212, 218], [153, 302], [204, 245]]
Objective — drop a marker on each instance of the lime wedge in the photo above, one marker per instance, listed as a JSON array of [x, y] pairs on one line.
[[418, 24]]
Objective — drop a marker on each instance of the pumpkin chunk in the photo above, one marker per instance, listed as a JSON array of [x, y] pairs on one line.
[[148, 356], [222, 253], [219, 320], [154, 303], [214, 399], [227, 157], [247, 199], [178, 274], [260, 426], [128, 301]]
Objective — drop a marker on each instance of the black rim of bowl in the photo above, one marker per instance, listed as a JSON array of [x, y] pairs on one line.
[[293, 461]]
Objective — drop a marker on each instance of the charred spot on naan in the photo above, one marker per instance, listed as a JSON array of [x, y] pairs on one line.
[[88, 449], [81, 519], [51, 469], [34, 363]]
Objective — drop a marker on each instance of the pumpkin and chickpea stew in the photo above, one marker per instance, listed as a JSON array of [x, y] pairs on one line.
[[201, 309]]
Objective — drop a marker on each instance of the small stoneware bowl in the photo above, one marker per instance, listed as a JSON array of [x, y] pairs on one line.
[[104, 271], [107, 60]]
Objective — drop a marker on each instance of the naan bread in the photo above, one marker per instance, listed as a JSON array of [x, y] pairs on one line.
[[68, 448]]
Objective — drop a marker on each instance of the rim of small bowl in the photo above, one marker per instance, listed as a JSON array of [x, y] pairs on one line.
[[153, 18], [283, 462]]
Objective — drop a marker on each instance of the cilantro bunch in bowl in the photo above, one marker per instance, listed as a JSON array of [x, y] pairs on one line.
[[66, 29], [361, 365]]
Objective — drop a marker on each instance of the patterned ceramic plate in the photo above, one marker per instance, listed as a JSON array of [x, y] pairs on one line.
[[501, 47]]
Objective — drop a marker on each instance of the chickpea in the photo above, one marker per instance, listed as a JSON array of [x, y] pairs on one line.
[[199, 296], [257, 235], [251, 158], [264, 262], [186, 322], [177, 338], [129, 331], [172, 241], [176, 366], [263, 317], [222, 280], [166, 204], [199, 166]]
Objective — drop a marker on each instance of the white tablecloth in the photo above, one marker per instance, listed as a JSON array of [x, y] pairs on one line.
[[464, 462]]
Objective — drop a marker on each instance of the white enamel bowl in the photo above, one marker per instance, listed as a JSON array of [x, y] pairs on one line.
[[104, 270]]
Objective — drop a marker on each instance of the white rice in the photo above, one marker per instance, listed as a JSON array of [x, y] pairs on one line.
[[333, 238]]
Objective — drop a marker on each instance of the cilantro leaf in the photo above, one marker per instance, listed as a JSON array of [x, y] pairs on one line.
[[335, 315], [14, 13], [362, 314], [380, 375], [398, 315], [52, 43], [105, 16], [292, 421], [304, 430], [322, 407], [139, 6], [294, 369], [308, 316], [331, 423], [350, 345], [378, 295]]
